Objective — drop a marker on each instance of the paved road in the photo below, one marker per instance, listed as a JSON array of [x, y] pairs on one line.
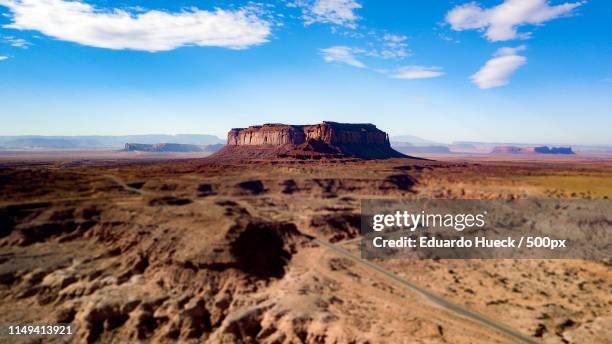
[[457, 309]]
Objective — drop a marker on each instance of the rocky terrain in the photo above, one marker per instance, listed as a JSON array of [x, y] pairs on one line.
[[325, 140], [203, 251]]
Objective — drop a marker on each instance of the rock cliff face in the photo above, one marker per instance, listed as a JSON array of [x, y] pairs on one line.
[[328, 139], [267, 134], [331, 133]]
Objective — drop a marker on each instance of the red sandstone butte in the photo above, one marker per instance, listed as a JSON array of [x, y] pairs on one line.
[[325, 140]]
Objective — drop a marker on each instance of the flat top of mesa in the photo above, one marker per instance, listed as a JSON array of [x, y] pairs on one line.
[[367, 126], [326, 140]]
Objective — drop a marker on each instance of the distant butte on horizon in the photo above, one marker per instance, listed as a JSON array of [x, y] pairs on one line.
[[315, 141], [532, 150]]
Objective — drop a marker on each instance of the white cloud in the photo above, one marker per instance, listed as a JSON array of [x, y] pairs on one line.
[[338, 12], [391, 38], [416, 72], [506, 51], [500, 22], [153, 30], [2, 58], [17, 42], [393, 47], [386, 47], [497, 71], [349, 56], [342, 54]]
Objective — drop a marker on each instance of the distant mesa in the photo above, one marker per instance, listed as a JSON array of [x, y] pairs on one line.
[[162, 148], [433, 149], [317, 141], [553, 150], [411, 140], [465, 147], [213, 148], [99, 142], [532, 150]]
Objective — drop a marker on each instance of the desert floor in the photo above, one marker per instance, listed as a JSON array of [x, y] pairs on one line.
[[153, 250]]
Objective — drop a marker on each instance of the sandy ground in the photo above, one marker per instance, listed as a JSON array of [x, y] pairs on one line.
[[160, 251]]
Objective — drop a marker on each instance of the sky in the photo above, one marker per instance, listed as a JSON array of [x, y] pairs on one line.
[[521, 71]]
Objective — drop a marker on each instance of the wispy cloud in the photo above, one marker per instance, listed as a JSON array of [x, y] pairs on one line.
[[153, 30], [392, 47], [2, 58], [498, 70], [500, 23], [349, 56], [342, 54], [17, 42], [416, 72], [337, 12]]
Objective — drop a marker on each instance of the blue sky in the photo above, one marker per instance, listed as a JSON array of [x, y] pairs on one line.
[[532, 71]]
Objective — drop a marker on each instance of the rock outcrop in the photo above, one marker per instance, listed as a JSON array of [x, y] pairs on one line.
[[532, 150], [325, 140], [162, 148]]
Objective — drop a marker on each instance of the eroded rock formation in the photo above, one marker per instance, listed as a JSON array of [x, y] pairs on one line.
[[327, 139]]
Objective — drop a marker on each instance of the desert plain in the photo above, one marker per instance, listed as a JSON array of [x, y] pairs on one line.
[[196, 250]]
